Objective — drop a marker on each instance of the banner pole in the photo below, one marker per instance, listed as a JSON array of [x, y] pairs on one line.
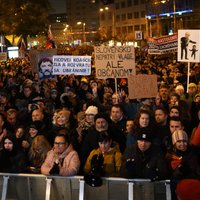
[[115, 85], [188, 76]]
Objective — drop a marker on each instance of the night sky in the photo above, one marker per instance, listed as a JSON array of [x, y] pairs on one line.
[[59, 6]]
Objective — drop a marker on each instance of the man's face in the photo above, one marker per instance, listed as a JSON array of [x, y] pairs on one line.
[[116, 114], [11, 118], [160, 117], [101, 124], [129, 126], [163, 93], [46, 68], [27, 92], [60, 145], [143, 145], [37, 115], [175, 125], [105, 146]]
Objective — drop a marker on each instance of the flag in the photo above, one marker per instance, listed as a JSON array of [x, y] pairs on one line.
[[23, 46], [22, 49], [50, 41]]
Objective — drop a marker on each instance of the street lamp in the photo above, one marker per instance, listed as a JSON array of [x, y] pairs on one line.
[[113, 18], [83, 30]]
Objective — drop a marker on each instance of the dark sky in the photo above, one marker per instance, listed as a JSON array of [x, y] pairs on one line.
[[59, 6]]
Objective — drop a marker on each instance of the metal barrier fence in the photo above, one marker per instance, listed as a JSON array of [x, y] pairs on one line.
[[39, 187]]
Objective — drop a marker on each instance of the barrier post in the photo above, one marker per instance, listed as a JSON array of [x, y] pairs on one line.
[[48, 188], [81, 189], [130, 191], [168, 190], [5, 186]]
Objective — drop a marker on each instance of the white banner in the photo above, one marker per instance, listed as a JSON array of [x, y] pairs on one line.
[[114, 62], [77, 65], [188, 46]]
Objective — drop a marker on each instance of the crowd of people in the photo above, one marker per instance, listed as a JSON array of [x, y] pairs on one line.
[[73, 125]]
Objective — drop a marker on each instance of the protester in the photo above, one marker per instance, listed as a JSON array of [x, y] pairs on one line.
[[62, 160], [12, 158], [144, 159], [111, 156]]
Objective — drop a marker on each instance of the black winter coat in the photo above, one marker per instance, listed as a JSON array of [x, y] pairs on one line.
[[144, 165]]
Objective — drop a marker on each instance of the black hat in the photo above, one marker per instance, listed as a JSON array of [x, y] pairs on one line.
[[36, 125], [101, 115], [145, 134], [104, 136]]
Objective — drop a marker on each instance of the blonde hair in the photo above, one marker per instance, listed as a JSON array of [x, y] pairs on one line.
[[39, 143]]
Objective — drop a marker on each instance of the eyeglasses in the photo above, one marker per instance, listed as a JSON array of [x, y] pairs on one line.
[[59, 143]]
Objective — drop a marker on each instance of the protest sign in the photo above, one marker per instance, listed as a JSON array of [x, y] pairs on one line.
[[142, 86], [188, 46], [77, 65], [162, 45], [114, 62], [3, 56], [41, 62]]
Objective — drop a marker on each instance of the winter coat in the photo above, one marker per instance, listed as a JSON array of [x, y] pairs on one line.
[[146, 165], [185, 164], [13, 161], [112, 161], [69, 162]]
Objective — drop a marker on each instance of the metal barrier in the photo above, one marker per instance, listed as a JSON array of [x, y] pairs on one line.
[[40, 187]]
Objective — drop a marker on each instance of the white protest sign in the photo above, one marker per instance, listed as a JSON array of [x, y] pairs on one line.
[[77, 65], [188, 46], [114, 62]]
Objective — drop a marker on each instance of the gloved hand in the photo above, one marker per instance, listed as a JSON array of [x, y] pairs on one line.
[[97, 164], [55, 169]]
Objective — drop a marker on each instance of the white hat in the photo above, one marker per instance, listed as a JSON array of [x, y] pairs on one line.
[[179, 87], [91, 110], [179, 135]]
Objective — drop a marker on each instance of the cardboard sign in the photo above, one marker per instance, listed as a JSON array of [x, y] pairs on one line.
[[188, 46], [142, 86], [3, 56], [77, 65], [114, 62]]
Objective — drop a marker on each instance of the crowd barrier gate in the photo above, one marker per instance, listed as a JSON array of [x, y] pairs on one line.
[[40, 187]]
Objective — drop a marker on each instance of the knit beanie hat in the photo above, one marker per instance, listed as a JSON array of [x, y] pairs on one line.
[[192, 85], [179, 87], [179, 135], [144, 134], [91, 110]]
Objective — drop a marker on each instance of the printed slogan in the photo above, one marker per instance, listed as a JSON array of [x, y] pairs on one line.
[[77, 65], [114, 62]]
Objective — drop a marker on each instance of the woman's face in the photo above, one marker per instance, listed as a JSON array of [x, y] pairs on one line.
[[174, 100], [104, 146], [174, 112], [181, 145], [8, 145], [89, 118], [33, 132], [61, 120], [144, 120], [19, 133]]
